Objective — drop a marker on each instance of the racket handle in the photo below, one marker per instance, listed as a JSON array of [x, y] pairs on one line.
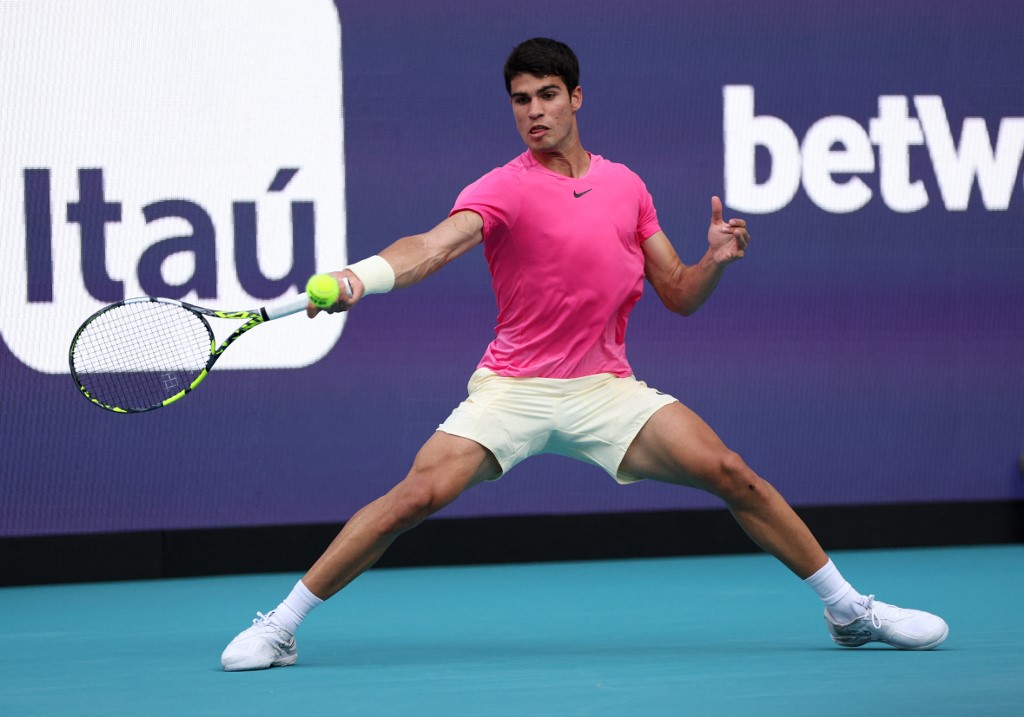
[[285, 307], [294, 304]]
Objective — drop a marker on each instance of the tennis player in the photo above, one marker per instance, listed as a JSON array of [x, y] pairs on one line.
[[569, 238]]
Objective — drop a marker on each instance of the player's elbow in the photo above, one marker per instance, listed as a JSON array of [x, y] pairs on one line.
[[690, 308], [675, 291], [681, 304]]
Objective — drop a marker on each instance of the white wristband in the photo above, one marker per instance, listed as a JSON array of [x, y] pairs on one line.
[[376, 274]]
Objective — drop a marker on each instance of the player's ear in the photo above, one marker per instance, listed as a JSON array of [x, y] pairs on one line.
[[576, 98]]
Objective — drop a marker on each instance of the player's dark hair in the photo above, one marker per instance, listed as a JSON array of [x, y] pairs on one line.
[[542, 57]]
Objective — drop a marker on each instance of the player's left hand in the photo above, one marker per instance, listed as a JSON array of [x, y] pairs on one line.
[[728, 240]]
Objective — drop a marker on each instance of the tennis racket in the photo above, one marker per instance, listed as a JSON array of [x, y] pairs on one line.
[[141, 354]]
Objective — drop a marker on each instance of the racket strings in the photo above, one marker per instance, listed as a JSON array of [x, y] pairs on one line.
[[137, 355]]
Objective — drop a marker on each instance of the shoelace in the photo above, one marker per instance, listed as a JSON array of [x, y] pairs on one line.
[[886, 612], [262, 619], [876, 619]]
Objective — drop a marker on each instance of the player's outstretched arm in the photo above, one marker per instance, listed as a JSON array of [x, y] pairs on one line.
[[416, 257], [409, 260], [684, 289]]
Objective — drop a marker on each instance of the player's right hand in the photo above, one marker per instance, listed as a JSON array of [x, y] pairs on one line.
[[345, 300]]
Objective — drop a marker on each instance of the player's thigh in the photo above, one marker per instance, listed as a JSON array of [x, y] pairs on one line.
[[447, 465], [677, 446]]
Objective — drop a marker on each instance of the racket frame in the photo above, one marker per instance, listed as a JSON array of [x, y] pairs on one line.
[[252, 318]]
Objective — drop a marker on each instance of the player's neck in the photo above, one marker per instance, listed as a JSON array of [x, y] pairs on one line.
[[574, 162]]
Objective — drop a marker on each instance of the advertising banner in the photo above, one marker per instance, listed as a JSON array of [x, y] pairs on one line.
[[869, 349]]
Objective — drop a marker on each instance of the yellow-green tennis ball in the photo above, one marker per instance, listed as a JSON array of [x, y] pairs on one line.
[[322, 290]]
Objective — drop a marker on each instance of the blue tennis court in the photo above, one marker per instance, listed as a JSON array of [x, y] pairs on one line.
[[732, 635]]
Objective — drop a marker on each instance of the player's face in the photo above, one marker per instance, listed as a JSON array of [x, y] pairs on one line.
[[545, 112]]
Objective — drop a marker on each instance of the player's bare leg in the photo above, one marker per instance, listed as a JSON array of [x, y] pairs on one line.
[[445, 467], [676, 446]]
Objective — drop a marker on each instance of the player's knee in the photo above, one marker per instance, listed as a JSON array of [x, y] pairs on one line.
[[411, 503], [736, 483]]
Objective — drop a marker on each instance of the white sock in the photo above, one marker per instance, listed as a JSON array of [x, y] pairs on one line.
[[290, 613], [842, 602]]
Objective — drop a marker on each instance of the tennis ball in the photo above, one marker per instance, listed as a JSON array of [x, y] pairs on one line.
[[322, 290]]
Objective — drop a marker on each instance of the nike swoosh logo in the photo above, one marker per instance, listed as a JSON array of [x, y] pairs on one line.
[[580, 194]]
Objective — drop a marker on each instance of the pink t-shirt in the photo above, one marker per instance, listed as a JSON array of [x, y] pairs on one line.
[[566, 264]]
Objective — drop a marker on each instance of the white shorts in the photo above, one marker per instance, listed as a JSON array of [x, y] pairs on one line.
[[593, 419]]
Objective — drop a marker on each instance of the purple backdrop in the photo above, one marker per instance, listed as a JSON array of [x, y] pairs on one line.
[[872, 356]]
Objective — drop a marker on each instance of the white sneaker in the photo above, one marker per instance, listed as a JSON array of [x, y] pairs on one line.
[[896, 626], [261, 646]]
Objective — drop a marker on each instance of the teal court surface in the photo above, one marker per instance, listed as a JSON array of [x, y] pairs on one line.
[[724, 635]]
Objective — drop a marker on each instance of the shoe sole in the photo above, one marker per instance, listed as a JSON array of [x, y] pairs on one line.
[[234, 668], [280, 662], [857, 643]]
